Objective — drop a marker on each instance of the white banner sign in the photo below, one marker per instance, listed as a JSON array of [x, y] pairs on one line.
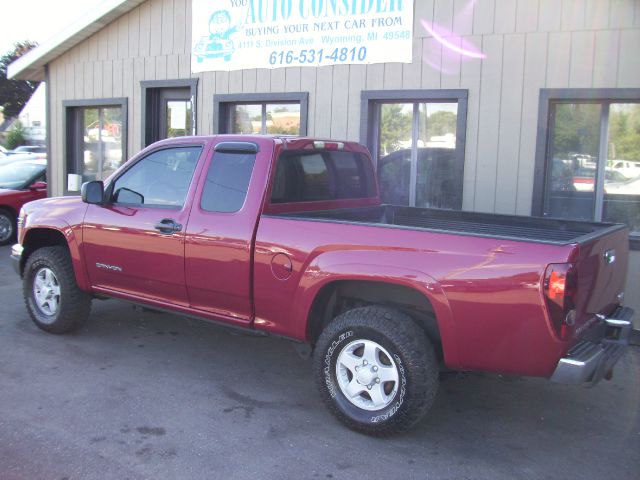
[[241, 34]]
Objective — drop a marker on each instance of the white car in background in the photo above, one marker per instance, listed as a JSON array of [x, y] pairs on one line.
[[628, 168], [629, 187], [584, 179]]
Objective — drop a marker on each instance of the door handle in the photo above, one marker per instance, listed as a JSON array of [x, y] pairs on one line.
[[168, 226]]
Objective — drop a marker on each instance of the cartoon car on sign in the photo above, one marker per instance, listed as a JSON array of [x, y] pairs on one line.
[[218, 44], [207, 48]]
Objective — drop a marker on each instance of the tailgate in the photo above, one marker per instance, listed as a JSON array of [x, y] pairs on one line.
[[601, 266]]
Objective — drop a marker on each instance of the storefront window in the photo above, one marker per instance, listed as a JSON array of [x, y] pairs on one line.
[[262, 113], [271, 118], [419, 157], [101, 142], [593, 162], [95, 139]]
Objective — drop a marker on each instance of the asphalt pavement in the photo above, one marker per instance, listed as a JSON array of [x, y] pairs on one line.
[[142, 395]]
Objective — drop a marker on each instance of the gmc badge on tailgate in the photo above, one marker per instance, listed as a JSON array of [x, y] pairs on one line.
[[609, 256]]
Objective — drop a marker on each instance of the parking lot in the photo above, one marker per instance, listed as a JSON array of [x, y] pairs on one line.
[[145, 395]]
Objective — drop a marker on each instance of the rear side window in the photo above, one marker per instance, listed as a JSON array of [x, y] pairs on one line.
[[227, 181], [321, 176]]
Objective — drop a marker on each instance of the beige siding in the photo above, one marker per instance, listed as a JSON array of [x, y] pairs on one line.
[[470, 79], [534, 78], [509, 131], [489, 123], [340, 102]]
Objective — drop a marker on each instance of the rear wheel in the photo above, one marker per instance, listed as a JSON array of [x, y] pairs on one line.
[[7, 227], [54, 301], [376, 370]]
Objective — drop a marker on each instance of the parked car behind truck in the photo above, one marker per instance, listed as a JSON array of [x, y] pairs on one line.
[[20, 182], [287, 236]]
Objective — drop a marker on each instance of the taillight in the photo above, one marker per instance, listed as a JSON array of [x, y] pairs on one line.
[[560, 292], [328, 145]]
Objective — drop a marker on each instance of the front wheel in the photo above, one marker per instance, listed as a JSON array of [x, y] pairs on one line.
[[376, 370], [53, 299]]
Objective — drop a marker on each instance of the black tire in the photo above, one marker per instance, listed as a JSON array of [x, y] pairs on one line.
[[74, 304], [415, 362], [7, 227]]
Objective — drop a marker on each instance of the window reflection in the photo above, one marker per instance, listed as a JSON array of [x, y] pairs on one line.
[[178, 118], [622, 193], [573, 187], [574, 152], [394, 152], [246, 119], [427, 154], [102, 142], [283, 119], [271, 118]]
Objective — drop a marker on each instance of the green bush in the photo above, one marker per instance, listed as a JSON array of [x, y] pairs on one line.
[[15, 137]]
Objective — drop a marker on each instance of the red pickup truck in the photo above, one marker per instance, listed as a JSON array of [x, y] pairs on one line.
[[287, 236]]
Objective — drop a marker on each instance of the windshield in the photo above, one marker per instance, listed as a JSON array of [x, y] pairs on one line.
[[18, 175]]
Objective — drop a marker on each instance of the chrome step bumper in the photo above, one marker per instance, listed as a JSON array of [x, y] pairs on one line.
[[590, 361]]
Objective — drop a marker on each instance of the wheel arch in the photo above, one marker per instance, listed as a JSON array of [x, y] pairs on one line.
[[421, 299], [10, 209], [39, 237]]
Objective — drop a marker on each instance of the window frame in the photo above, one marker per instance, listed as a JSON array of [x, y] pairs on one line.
[[370, 121], [70, 130], [600, 96], [222, 104], [147, 85]]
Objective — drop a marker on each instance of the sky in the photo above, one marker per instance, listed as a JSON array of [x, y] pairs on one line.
[[37, 20]]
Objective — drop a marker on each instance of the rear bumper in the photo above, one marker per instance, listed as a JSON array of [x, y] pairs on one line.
[[591, 360], [16, 257]]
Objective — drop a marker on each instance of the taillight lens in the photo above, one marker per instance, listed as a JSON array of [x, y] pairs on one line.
[[328, 145], [560, 292]]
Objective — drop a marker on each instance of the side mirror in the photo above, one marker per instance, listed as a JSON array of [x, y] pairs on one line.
[[38, 186], [92, 192]]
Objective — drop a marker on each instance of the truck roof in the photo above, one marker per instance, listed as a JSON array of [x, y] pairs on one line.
[[287, 141]]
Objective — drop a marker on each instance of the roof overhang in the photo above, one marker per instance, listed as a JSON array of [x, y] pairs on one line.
[[31, 65]]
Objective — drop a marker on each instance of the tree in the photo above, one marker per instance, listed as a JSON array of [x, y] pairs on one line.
[[624, 132], [15, 138], [577, 129], [15, 93], [395, 126], [441, 122]]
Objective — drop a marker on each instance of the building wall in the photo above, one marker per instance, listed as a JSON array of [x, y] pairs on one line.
[[529, 45]]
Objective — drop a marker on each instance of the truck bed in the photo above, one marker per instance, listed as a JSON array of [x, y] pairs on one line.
[[510, 227]]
